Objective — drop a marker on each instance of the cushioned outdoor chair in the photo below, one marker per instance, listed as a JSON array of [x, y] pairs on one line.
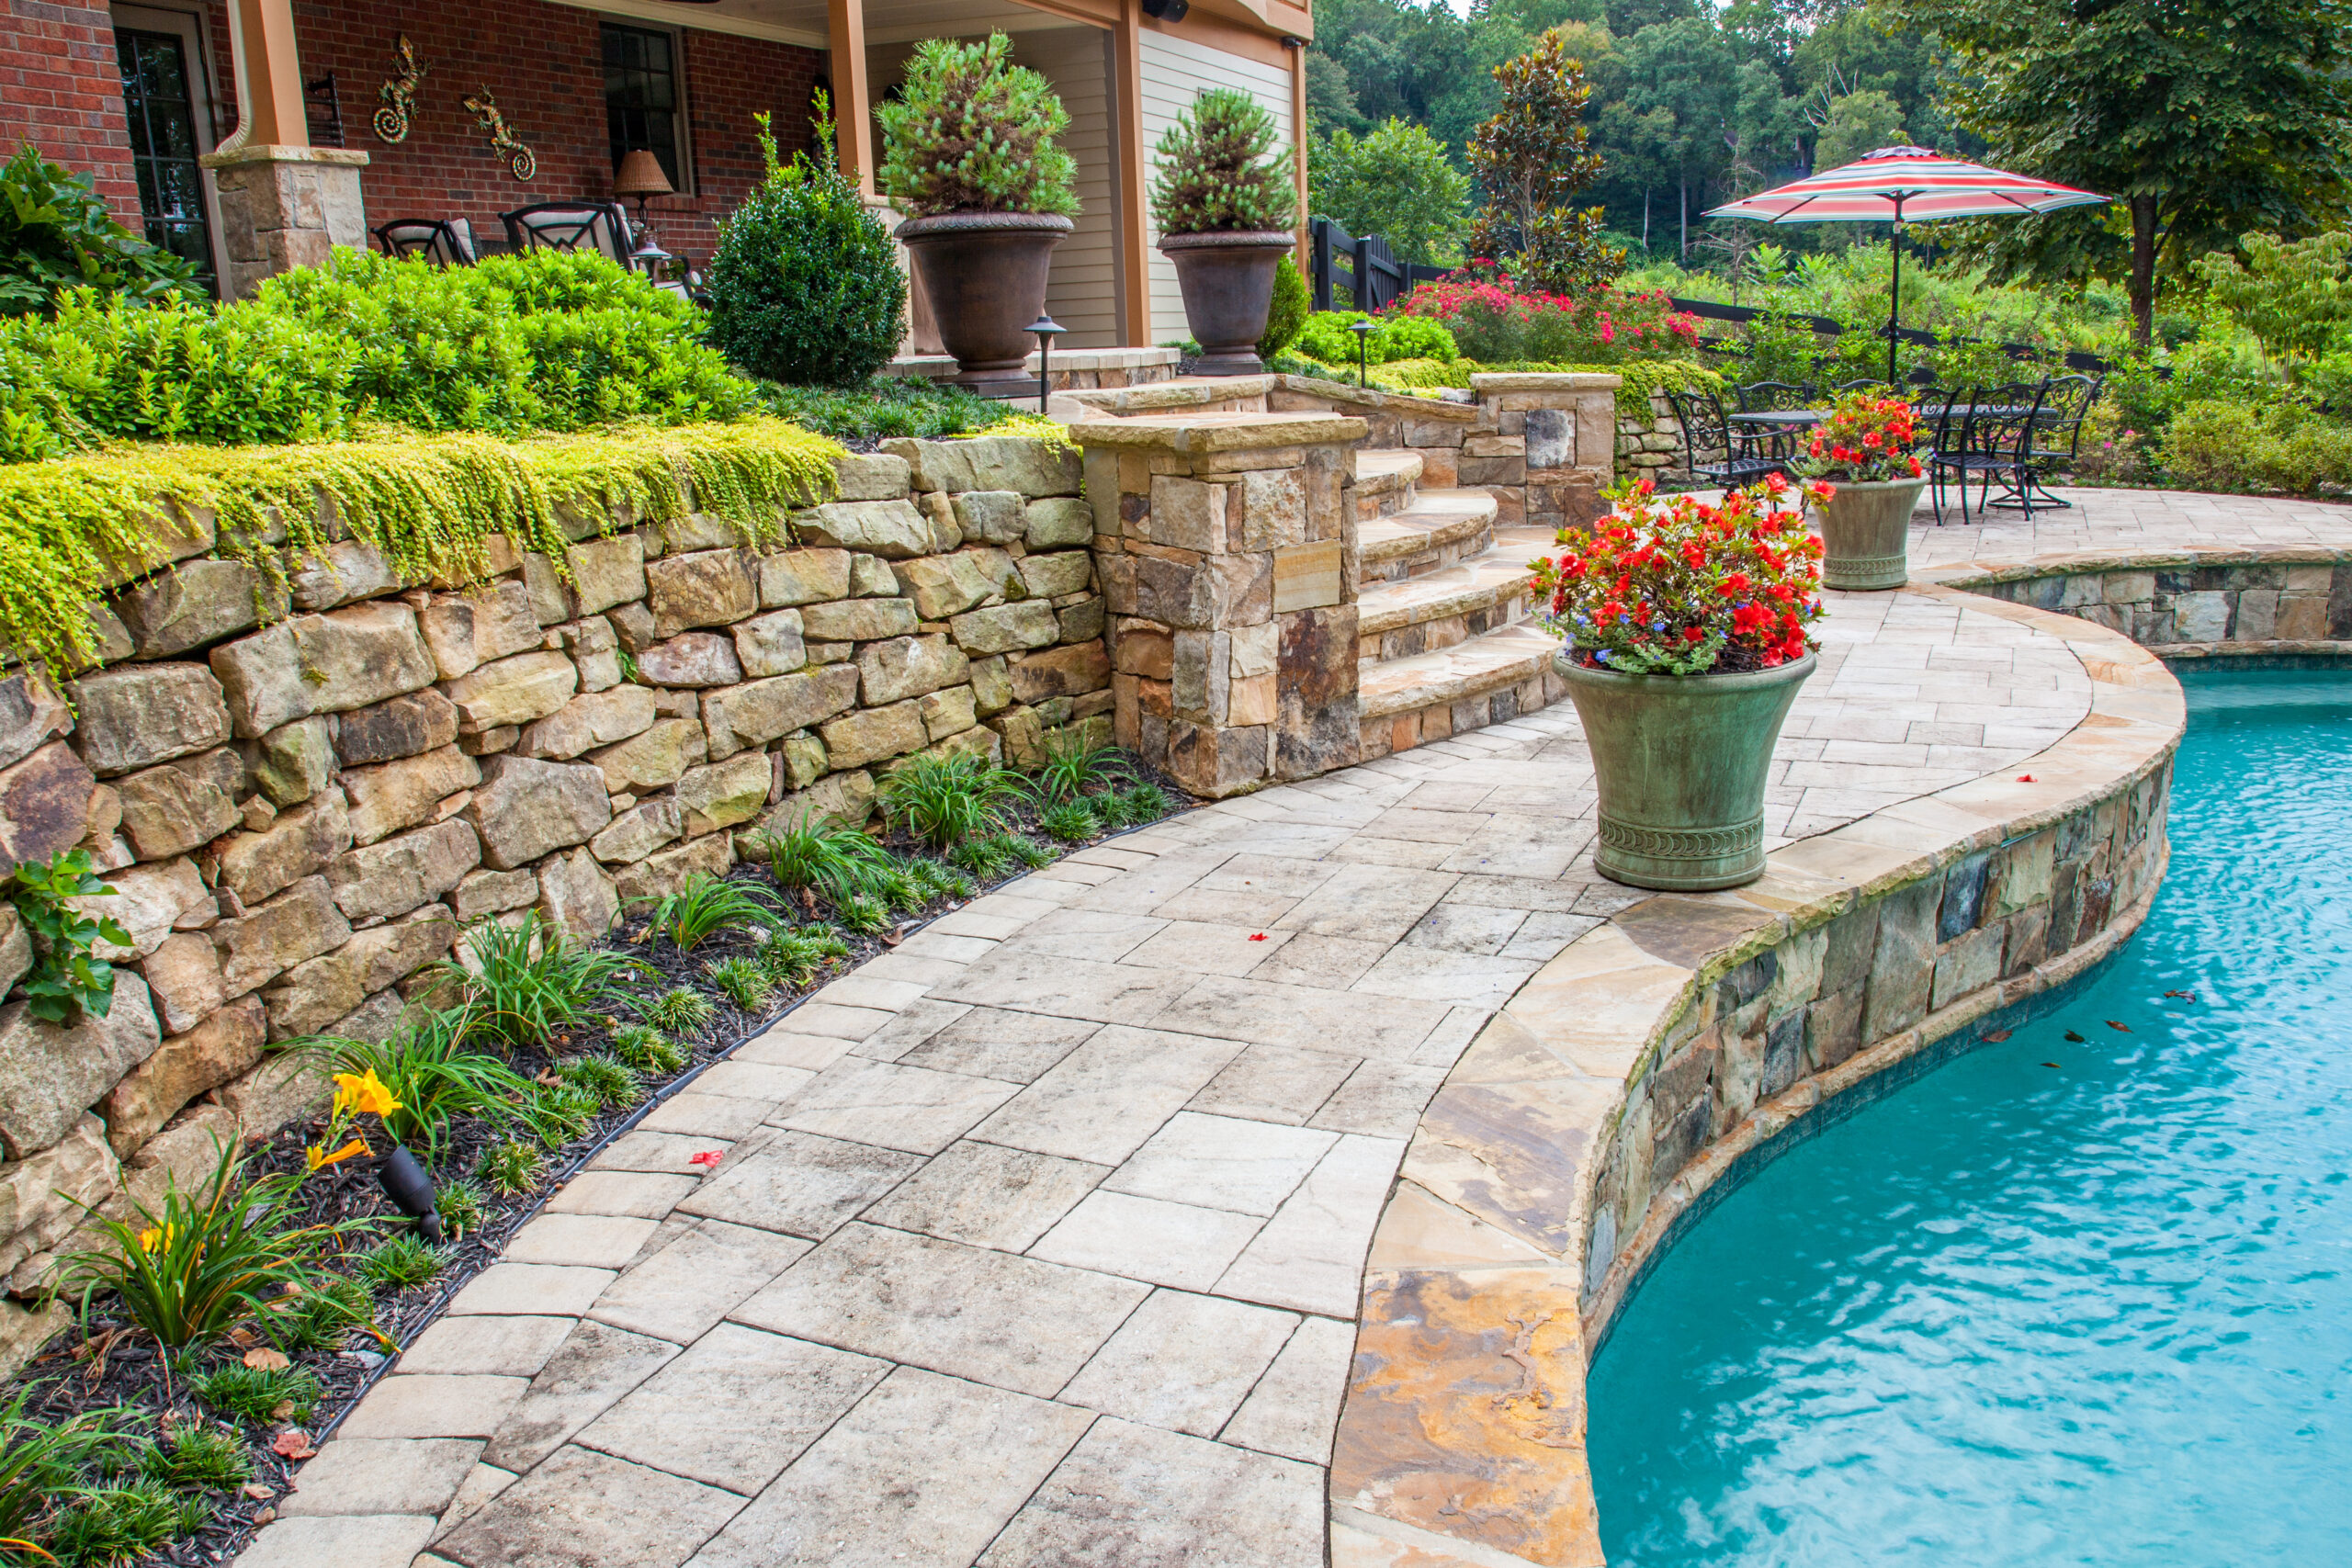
[[445, 242], [599, 226]]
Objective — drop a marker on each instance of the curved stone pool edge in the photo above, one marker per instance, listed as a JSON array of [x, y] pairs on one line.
[[1630, 1075]]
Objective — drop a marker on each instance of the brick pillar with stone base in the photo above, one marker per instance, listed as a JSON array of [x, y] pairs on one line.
[[1225, 544], [1556, 434], [283, 207]]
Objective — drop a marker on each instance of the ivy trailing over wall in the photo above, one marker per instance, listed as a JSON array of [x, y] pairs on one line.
[[73, 528]]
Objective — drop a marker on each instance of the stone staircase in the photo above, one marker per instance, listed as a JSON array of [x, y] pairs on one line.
[[1444, 642]]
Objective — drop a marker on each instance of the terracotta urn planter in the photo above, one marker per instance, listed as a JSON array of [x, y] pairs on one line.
[[984, 274], [1229, 283], [1866, 527], [1682, 761]]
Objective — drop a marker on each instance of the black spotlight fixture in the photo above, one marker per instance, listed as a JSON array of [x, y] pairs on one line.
[[1047, 330], [1165, 10]]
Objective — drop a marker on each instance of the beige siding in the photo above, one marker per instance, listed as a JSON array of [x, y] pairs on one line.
[[1174, 71]]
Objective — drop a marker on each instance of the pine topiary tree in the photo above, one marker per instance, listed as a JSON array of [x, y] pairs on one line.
[[806, 288], [1286, 318], [1214, 172], [1532, 160], [970, 132]]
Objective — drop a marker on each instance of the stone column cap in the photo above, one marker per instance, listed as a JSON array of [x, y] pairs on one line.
[[278, 153], [1546, 381], [1226, 432]]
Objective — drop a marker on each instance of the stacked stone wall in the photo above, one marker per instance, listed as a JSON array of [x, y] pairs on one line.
[[2190, 606], [300, 798]]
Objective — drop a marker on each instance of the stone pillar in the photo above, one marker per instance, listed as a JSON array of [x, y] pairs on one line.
[[1555, 433], [285, 207], [1225, 544]]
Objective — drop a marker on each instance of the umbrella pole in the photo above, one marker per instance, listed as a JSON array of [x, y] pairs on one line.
[[1894, 295]]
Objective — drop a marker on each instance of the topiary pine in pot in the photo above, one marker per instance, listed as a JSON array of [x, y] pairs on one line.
[[806, 288], [1224, 204], [968, 153]]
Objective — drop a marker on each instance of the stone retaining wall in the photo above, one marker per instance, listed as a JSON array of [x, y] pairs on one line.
[[2184, 607], [1631, 1074], [298, 816], [1653, 448]]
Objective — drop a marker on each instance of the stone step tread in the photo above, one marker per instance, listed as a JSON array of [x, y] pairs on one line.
[[1382, 469], [1489, 578], [1488, 662], [1436, 518]]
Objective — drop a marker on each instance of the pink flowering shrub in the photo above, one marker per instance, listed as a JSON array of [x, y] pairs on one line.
[[1495, 324]]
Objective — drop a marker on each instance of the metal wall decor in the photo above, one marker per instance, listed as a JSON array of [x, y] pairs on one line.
[[502, 140], [399, 95]]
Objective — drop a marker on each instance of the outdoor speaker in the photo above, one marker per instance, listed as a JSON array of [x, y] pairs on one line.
[[1165, 10]]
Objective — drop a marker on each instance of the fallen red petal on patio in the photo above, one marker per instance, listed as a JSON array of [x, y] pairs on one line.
[[2025, 778], [1257, 936], [293, 1443], [708, 1159]]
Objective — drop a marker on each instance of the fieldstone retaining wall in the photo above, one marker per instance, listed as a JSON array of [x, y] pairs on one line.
[[1653, 448], [2185, 607], [1631, 1074], [298, 816]]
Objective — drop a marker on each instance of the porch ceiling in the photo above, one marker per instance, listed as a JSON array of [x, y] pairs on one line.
[[803, 22]]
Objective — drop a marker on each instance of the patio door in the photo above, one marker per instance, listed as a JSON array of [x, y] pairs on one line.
[[167, 107]]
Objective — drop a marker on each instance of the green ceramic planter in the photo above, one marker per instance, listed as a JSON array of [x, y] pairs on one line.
[[1865, 530], [1682, 761]]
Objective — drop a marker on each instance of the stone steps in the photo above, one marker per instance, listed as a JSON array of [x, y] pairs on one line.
[[1438, 528], [1495, 676], [1385, 478], [1450, 604]]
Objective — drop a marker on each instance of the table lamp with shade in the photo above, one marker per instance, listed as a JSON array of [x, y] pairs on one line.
[[640, 175]]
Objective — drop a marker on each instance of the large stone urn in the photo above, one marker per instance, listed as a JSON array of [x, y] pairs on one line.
[[1229, 283], [1865, 532], [984, 274], [1682, 761]]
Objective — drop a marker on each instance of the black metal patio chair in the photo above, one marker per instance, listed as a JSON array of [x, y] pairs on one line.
[[599, 226], [1705, 429], [2057, 435], [445, 242], [1995, 439]]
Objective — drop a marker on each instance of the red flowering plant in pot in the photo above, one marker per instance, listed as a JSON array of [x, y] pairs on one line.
[[1864, 454], [1685, 641]]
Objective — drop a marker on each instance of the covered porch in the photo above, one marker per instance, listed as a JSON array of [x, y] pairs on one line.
[[308, 164]]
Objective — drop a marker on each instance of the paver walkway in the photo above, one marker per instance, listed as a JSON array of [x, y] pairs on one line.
[[2126, 522], [1038, 1240]]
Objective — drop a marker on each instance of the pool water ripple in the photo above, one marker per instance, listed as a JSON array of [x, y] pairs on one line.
[[2097, 1312]]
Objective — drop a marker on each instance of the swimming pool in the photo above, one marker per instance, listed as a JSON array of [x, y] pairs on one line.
[[2058, 1302]]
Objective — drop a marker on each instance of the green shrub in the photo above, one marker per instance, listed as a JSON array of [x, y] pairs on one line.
[[202, 1457], [42, 1464], [402, 1262], [260, 1393], [1286, 317], [1145, 803], [823, 857], [1072, 822], [804, 285], [1399, 182], [564, 1112], [944, 798], [647, 1050], [680, 1009], [972, 131], [203, 1261], [1217, 171], [1074, 766], [324, 1314], [741, 980], [66, 979], [461, 1208], [793, 957], [56, 234], [108, 1524], [606, 1078], [1327, 336], [2284, 447], [885, 406], [513, 1168], [704, 906]]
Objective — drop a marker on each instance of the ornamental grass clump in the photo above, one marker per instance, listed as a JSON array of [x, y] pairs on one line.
[[1679, 587], [970, 132], [1867, 439], [1219, 170]]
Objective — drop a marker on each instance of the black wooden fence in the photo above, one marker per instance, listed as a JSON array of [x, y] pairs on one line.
[[1709, 310], [1364, 271]]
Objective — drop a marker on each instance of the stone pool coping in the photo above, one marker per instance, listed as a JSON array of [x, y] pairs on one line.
[[1462, 1439]]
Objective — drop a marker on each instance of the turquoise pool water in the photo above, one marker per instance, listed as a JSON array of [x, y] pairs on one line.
[[2051, 1302]]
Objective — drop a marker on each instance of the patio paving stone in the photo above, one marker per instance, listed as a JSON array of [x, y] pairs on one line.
[[585, 1507]]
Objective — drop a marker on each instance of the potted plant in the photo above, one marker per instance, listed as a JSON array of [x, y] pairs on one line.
[[1685, 644], [968, 153], [1864, 447], [1225, 206]]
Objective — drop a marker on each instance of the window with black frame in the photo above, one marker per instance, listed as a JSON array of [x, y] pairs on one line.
[[642, 96]]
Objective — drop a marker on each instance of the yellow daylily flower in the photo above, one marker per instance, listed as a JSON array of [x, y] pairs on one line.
[[156, 1236], [319, 1158], [363, 1092]]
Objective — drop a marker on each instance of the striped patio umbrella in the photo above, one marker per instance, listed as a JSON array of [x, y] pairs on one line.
[[1895, 185]]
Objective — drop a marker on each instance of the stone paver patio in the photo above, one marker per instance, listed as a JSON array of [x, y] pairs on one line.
[[1039, 1239]]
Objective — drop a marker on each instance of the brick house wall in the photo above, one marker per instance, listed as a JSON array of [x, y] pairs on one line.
[[60, 90]]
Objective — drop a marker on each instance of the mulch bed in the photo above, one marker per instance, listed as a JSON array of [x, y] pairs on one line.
[[112, 1367]]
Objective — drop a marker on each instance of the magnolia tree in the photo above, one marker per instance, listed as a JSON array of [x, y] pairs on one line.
[[1533, 159]]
